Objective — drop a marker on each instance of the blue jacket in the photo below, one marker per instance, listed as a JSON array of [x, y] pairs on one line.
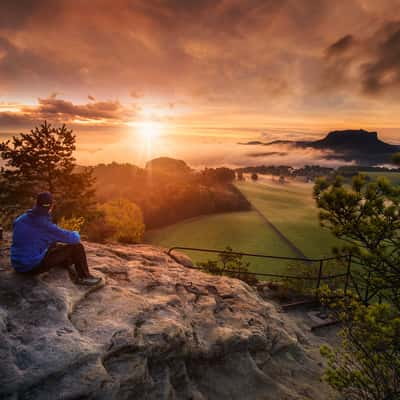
[[33, 234]]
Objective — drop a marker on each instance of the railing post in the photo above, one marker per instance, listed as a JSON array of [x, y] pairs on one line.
[[321, 262], [346, 283]]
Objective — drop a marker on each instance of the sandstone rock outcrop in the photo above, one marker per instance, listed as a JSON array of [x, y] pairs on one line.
[[154, 330]]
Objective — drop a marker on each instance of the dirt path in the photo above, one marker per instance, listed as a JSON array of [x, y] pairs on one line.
[[284, 238]]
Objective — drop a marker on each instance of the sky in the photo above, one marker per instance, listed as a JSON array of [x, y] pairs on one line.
[[135, 78]]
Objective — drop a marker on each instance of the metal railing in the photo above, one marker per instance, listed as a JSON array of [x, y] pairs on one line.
[[320, 261]]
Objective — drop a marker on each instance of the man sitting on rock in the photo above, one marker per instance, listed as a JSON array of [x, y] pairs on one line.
[[39, 245]]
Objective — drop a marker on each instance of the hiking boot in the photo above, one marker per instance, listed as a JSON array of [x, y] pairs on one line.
[[89, 281]]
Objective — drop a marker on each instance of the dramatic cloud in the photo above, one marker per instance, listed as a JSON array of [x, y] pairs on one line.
[[214, 50], [228, 63], [53, 108], [9, 119], [61, 111], [382, 71], [368, 64], [341, 45], [15, 14]]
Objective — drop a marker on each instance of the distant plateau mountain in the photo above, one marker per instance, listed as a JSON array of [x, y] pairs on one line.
[[360, 146]]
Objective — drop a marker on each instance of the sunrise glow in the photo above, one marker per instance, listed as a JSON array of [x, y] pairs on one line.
[[198, 72], [149, 131], [207, 187]]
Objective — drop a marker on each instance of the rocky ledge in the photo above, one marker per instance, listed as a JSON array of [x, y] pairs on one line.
[[154, 329]]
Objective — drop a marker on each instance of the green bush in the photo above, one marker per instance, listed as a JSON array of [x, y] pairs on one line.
[[230, 265], [72, 224], [310, 272], [124, 220], [97, 229], [7, 217]]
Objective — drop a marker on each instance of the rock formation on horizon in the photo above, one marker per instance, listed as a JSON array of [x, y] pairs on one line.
[[155, 330], [360, 146]]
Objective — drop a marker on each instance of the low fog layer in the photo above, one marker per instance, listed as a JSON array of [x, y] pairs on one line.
[[94, 147], [201, 151]]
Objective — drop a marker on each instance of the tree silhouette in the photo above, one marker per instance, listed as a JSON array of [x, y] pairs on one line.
[[42, 160], [240, 176]]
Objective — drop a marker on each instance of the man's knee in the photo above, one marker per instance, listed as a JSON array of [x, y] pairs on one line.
[[77, 248]]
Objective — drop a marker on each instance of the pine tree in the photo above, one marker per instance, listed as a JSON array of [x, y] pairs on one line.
[[366, 215], [42, 160]]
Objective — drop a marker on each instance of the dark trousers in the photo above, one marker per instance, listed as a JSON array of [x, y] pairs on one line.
[[64, 255]]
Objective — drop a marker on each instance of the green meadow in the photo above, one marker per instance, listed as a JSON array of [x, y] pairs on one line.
[[243, 231], [291, 208], [394, 177]]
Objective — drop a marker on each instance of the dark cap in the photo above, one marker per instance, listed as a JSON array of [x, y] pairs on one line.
[[44, 199]]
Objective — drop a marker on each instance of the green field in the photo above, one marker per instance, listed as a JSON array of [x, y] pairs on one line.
[[291, 208], [243, 231], [394, 177]]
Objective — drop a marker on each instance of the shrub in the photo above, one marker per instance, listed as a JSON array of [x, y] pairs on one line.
[[72, 224], [310, 273], [231, 265], [98, 230], [125, 218], [7, 217]]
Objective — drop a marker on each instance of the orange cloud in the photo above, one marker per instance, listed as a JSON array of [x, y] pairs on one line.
[[62, 111], [258, 60]]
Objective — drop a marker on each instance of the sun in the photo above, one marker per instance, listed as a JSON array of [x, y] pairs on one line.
[[149, 131], [147, 137]]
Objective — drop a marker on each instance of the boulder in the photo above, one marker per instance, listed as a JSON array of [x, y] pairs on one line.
[[154, 329]]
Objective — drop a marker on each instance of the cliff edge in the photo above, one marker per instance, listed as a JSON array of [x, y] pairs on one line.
[[154, 329]]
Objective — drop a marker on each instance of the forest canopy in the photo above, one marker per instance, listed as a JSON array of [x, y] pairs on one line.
[[168, 190]]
